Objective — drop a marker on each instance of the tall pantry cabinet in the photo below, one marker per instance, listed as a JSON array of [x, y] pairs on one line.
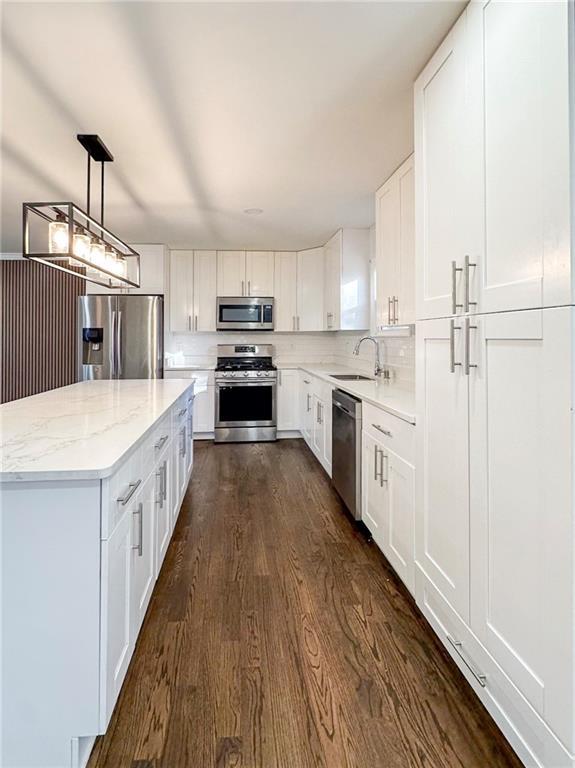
[[495, 538]]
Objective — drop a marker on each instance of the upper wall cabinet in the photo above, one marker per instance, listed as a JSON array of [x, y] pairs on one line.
[[346, 281], [242, 273], [310, 290], [395, 248], [192, 291], [285, 291], [260, 273], [231, 273], [492, 170]]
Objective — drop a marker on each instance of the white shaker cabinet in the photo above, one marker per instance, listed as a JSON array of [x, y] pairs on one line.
[[446, 140], [442, 525], [181, 291], [192, 291], [395, 248], [259, 279], [346, 280], [523, 101], [492, 168], [388, 490], [285, 291], [204, 292], [232, 273], [372, 486], [521, 451], [310, 289], [118, 641], [142, 574], [306, 407], [288, 385]]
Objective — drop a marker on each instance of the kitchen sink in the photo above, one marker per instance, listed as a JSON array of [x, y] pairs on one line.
[[350, 377]]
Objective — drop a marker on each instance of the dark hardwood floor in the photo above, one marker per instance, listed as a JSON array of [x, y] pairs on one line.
[[277, 637]]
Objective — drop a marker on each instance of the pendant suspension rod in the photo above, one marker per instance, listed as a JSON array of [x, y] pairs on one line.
[[102, 195], [88, 186]]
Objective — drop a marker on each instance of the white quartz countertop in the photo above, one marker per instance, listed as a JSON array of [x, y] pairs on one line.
[[81, 431], [397, 400]]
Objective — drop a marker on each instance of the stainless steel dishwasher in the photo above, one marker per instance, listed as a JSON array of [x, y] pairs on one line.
[[346, 449]]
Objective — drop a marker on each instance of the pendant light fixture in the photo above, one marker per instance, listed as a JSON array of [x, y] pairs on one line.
[[65, 237]]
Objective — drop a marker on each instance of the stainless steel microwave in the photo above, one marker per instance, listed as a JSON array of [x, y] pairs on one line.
[[245, 313]]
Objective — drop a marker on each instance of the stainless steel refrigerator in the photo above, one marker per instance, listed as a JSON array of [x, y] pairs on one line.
[[120, 337]]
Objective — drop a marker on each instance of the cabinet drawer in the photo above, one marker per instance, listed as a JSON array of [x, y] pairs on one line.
[[394, 433], [179, 413], [119, 485], [155, 443]]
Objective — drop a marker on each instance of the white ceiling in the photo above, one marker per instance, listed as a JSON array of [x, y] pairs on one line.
[[301, 109]]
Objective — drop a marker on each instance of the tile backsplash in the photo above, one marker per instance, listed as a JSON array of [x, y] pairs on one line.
[[321, 348]]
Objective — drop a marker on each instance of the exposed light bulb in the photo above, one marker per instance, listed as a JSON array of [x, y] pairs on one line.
[[97, 253], [58, 235], [81, 247]]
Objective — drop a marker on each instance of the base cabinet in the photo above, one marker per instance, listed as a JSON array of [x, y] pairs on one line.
[[143, 561], [388, 488], [116, 599], [288, 384], [495, 531]]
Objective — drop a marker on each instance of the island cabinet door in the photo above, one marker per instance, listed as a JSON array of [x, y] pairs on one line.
[[143, 561], [117, 642], [163, 508]]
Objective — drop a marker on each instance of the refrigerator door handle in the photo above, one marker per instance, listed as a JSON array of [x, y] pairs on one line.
[[113, 346], [118, 373]]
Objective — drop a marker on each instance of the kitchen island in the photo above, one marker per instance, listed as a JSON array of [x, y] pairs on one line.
[[92, 477]]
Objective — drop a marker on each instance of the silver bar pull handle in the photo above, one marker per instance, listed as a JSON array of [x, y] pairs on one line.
[[293, 322], [183, 443], [132, 487], [298, 322], [189, 322], [195, 322], [384, 479], [458, 646], [452, 329], [454, 305], [243, 292], [375, 462], [468, 327], [308, 403], [305, 381], [381, 429], [161, 442], [140, 545], [181, 413], [164, 485], [466, 302], [389, 315], [249, 287], [160, 497], [395, 310]]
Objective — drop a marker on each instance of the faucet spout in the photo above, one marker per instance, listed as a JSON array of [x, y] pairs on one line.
[[378, 369]]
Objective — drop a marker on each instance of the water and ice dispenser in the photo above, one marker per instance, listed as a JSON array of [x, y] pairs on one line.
[[93, 346]]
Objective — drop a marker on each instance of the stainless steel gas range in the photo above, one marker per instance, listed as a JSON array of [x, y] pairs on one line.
[[245, 401]]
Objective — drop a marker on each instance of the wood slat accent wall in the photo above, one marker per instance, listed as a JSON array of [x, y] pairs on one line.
[[38, 307]]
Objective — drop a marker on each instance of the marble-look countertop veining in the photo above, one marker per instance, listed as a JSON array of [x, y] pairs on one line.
[[395, 399], [81, 431]]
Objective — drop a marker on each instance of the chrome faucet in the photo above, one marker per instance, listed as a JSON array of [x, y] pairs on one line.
[[379, 369]]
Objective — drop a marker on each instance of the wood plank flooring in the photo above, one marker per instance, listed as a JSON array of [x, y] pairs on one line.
[[277, 637]]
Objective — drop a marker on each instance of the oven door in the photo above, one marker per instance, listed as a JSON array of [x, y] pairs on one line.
[[240, 314], [245, 404]]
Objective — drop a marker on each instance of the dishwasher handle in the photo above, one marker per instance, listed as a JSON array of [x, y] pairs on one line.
[[341, 408]]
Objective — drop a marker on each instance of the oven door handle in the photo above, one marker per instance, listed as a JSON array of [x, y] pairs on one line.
[[268, 383]]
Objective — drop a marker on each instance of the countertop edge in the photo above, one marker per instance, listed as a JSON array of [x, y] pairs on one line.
[[99, 473]]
